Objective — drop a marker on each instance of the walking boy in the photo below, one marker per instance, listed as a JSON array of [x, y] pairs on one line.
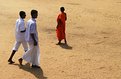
[[20, 35]]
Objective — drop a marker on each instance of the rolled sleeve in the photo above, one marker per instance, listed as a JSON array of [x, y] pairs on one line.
[[32, 28]]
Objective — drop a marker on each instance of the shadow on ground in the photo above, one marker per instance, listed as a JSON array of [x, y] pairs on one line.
[[65, 46], [37, 72]]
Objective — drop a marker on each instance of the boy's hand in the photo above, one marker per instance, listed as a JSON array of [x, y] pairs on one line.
[[35, 43]]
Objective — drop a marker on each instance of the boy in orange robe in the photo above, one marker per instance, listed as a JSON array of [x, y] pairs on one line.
[[60, 29]]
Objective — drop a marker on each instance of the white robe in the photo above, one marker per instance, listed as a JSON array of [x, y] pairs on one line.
[[32, 55]]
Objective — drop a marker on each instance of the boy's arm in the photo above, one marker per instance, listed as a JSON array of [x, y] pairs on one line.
[[66, 16], [35, 42], [59, 22], [22, 27]]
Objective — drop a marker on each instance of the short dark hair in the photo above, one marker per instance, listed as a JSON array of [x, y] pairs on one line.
[[34, 12], [21, 13], [62, 9]]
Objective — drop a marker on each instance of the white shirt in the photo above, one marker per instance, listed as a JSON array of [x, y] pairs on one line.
[[20, 26], [31, 29]]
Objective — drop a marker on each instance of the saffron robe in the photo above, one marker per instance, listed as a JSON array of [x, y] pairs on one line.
[[60, 31]]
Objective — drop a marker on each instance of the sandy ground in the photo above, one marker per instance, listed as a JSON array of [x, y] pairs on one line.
[[93, 34]]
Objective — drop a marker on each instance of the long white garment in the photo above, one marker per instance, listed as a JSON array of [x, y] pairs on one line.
[[32, 55]]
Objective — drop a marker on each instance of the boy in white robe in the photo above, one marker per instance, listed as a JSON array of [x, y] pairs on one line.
[[33, 54], [20, 35]]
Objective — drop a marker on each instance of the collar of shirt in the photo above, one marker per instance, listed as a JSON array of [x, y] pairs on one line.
[[33, 19], [21, 19]]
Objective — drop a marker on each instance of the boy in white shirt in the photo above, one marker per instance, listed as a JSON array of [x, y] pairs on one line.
[[20, 36], [32, 55]]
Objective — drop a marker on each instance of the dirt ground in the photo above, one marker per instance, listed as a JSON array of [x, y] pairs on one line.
[[93, 31]]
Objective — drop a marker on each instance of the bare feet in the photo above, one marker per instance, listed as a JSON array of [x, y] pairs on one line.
[[58, 43], [35, 66], [10, 61], [20, 61]]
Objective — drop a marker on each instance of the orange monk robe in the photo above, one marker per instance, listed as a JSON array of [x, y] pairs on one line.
[[61, 26]]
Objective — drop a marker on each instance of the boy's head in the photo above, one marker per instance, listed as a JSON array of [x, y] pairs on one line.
[[62, 9], [34, 13], [22, 14]]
